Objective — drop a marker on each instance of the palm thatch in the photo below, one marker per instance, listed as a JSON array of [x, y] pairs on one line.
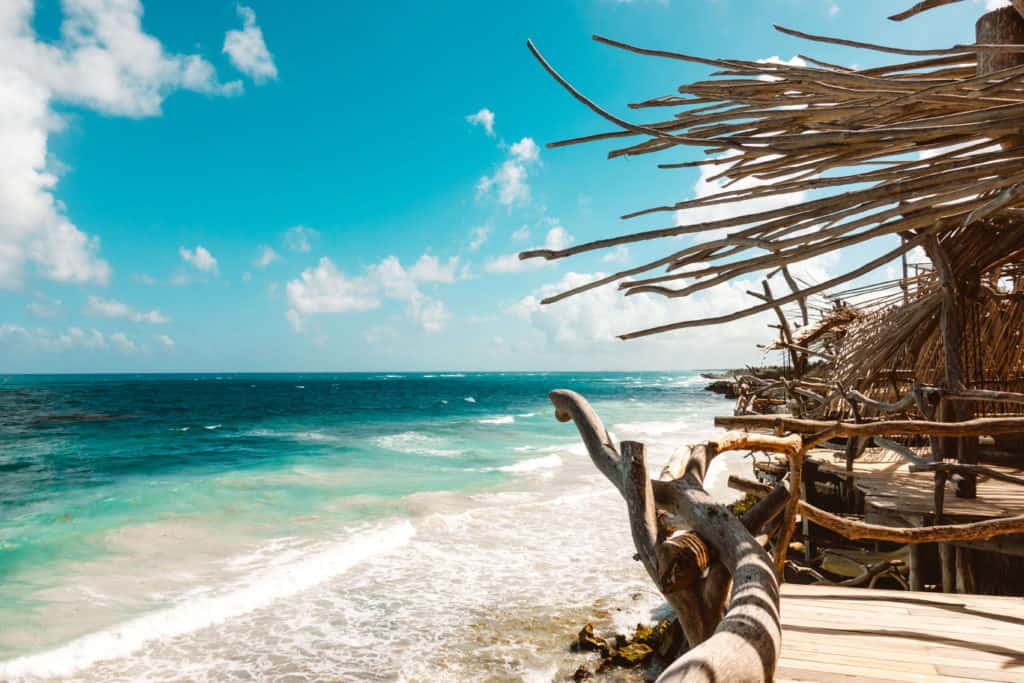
[[920, 153]]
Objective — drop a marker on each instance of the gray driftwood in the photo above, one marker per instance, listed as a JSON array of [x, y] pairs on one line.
[[706, 562]]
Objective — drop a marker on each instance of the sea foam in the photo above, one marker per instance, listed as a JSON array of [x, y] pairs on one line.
[[255, 591], [499, 420]]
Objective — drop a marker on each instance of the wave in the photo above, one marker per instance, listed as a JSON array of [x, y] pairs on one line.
[[212, 427], [256, 591], [499, 420], [416, 443], [640, 430], [526, 415], [545, 462], [469, 399], [307, 436]]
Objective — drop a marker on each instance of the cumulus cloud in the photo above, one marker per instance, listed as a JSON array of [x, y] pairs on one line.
[[557, 238], [510, 180], [34, 340], [300, 239], [707, 186], [483, 118], [103, 61], [123, 342], [109, 308], [478, 237], [165, 340], [325, 289], [587, 324], [619, 254], [525, 150], [248, 51], [44, 307], [266, 257], [199, 258]]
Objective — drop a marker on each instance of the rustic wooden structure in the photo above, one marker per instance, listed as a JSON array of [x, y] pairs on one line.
[[928, 151]]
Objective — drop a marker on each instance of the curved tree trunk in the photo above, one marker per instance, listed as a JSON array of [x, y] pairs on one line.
[[695, 549]]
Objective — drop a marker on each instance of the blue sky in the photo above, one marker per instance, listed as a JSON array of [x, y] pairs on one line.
[[204, 186]]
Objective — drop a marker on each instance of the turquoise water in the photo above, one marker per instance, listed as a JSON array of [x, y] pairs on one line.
[[145, 519]]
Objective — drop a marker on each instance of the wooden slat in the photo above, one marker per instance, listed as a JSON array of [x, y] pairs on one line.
[[852, 634]]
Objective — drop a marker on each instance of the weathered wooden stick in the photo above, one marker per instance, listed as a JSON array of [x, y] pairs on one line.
[[854, 530], [982, 426]]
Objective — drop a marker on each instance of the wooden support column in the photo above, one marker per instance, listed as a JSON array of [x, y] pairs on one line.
[[964, 570], [916, 567], [947, 561]]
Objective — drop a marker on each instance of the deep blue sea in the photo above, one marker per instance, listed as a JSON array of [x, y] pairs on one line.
[[315, 527]]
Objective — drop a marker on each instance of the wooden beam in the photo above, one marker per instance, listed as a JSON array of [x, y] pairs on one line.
[[982, 426]]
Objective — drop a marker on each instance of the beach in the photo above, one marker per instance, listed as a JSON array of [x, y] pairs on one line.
[[383, 526]]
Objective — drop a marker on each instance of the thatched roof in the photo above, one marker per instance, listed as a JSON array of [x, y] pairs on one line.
[[928, 150]]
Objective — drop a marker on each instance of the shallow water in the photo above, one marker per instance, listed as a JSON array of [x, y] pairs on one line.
[[318, 527]]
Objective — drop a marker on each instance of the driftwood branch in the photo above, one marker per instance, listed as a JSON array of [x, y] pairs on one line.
[[855, 530], [982, 426], [691, 546]]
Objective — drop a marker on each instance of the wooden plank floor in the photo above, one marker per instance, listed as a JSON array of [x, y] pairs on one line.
[[848, 635], [890, 488]]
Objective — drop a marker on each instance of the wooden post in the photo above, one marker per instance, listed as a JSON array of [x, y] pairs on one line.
[[964, 570], [916, 567], [947, 560]]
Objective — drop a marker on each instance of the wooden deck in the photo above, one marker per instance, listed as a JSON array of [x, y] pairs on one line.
[[892, 490], [856, 635]]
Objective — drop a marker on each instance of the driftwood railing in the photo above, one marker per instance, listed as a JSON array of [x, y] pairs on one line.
[[694, 549], [707, 563]]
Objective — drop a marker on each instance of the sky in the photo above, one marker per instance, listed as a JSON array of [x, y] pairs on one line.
[[204, 186]]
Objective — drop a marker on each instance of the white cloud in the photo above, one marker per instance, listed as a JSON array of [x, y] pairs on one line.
[[707, 187], [833, 9], [326, 289], [144, 278], [248, 51], [478, 237], [619, 254], [510, 178], [300, 238], [103, 61], [430, 269], [200, 258], [121, 341], [590, 322], [996, 4], [44, 307], [525, 150], [165, 340], [557, 238], [109, 308], [522, 234], [266, 257], [34, 340], [484, 118]]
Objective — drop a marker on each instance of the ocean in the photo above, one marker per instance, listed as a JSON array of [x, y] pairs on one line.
[[307, 527]]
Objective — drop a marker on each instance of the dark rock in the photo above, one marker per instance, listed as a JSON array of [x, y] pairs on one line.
[[725, 387], [582, 674], [587, 641], [632, 654]]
